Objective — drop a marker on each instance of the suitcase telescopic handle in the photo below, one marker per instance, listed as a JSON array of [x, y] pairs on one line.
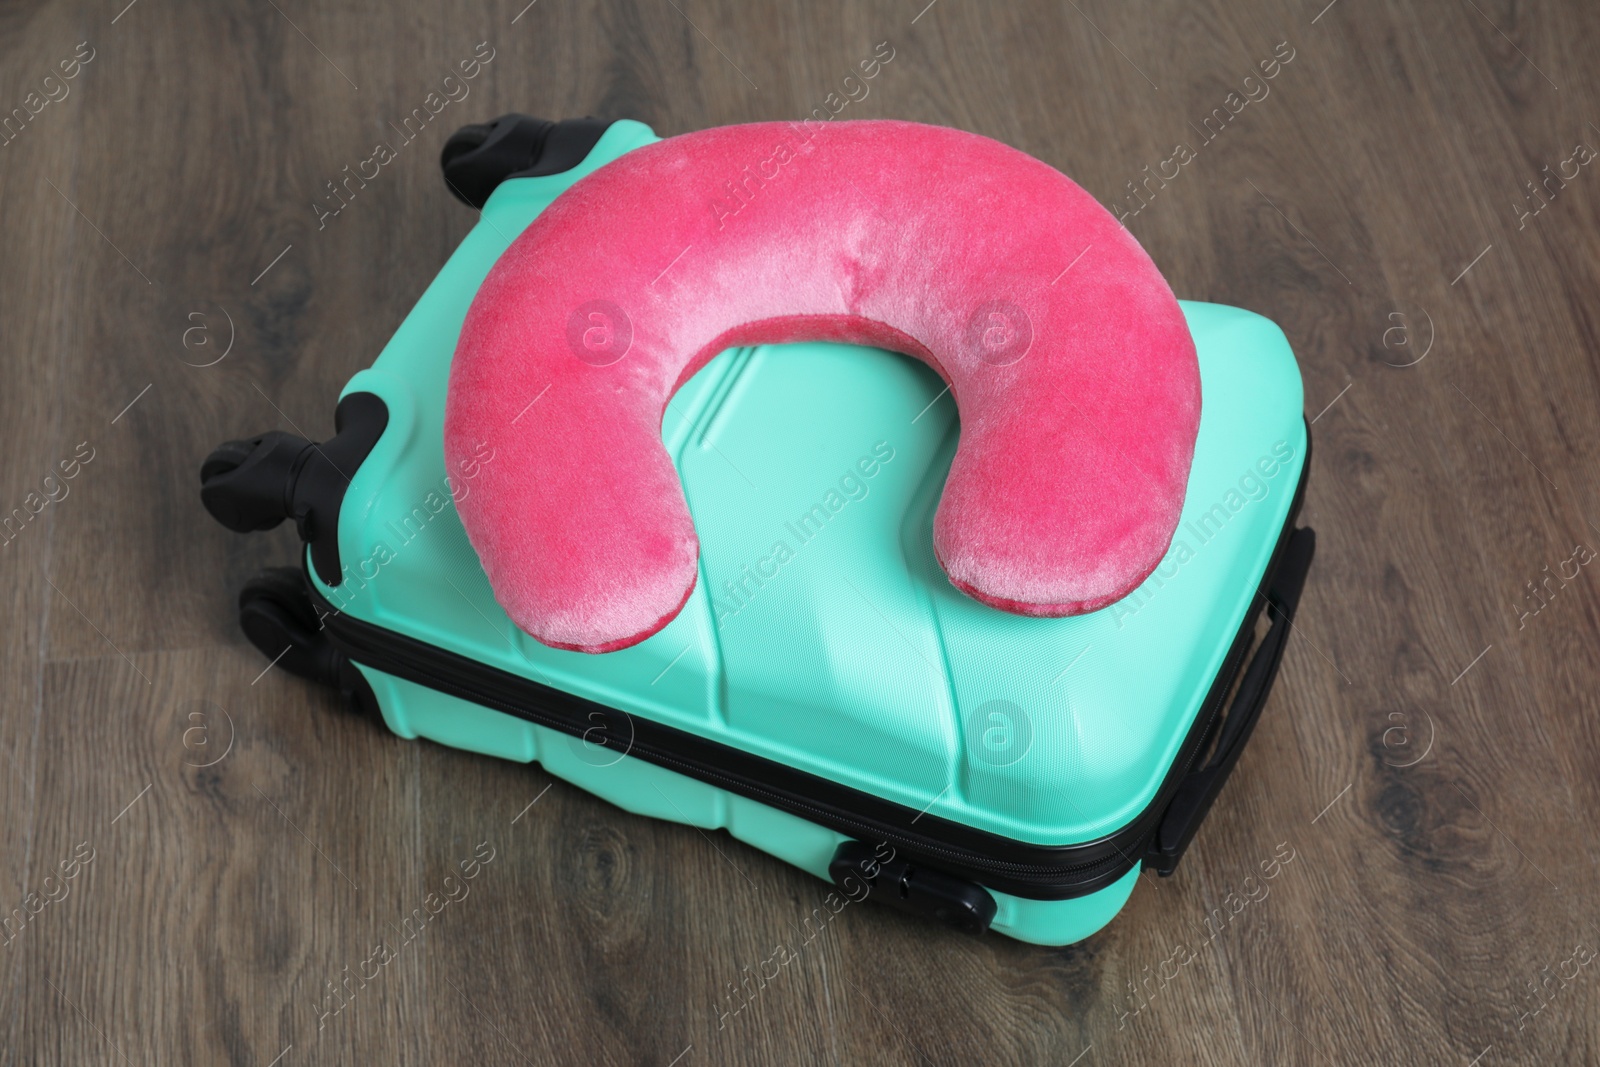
[[477, 158], [1200, 787]]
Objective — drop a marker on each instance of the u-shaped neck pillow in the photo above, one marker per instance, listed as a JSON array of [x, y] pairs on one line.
[[1070, 362]]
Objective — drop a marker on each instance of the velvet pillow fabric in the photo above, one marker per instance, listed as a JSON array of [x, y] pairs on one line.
[[1067, 355]]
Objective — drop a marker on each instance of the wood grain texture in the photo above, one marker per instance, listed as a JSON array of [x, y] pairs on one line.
[[1431, 756]]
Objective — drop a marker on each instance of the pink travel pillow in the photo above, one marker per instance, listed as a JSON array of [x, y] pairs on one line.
[[1068, 357]]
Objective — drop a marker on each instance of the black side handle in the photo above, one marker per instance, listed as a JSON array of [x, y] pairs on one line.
[[477, 158], [1199, 788], [256, 483]]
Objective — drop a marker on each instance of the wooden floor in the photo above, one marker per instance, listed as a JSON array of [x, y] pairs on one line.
[[200, 849]]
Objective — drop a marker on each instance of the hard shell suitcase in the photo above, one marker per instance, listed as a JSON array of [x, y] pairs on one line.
[[825, 695]]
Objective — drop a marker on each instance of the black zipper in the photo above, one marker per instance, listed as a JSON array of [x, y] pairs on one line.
[[1024, 869]]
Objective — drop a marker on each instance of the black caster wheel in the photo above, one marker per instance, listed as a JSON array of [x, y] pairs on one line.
[[277, 615]]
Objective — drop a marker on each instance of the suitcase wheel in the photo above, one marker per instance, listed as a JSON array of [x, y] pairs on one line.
[[256, 483], [248, 485], [276, 614]]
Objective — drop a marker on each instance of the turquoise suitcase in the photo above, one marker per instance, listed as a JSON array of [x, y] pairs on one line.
[[826, 695]]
